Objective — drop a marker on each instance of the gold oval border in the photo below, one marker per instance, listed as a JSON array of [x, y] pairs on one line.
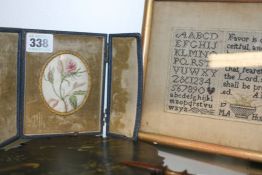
[[88, 88]]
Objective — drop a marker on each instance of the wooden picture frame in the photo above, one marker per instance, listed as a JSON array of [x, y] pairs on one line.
[[149, 132]]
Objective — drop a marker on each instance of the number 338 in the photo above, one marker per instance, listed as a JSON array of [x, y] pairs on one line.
[[37, 42]]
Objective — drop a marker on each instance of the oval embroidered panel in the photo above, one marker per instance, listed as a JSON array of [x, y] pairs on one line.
[[65, 83]]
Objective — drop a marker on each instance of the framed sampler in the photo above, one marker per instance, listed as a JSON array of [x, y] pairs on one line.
[[202, 76]]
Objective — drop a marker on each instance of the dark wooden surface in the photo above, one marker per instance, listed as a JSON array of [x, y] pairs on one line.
[[77, 155]]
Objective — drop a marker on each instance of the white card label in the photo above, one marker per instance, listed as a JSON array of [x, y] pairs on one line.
[[39, 42]]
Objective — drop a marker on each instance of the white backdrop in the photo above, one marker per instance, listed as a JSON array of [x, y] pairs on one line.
[[97, 16]]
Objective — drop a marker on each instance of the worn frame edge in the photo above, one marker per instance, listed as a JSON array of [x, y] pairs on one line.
[[18, 83], [137, 36]]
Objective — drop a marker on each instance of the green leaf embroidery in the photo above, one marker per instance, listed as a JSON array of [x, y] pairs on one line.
[[73, 101], [79, 92]]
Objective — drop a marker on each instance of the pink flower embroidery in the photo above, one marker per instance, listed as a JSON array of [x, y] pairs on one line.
[[53, 102], [60, 68], [71, 66]]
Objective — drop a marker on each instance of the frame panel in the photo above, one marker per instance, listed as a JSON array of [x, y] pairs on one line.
[[18, 83], [137, 117], [103, 62]]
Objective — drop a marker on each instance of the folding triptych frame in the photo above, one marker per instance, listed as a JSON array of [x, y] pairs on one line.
[[57, 83]]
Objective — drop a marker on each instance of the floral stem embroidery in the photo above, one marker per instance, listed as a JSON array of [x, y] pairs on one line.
[[68, 72]]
